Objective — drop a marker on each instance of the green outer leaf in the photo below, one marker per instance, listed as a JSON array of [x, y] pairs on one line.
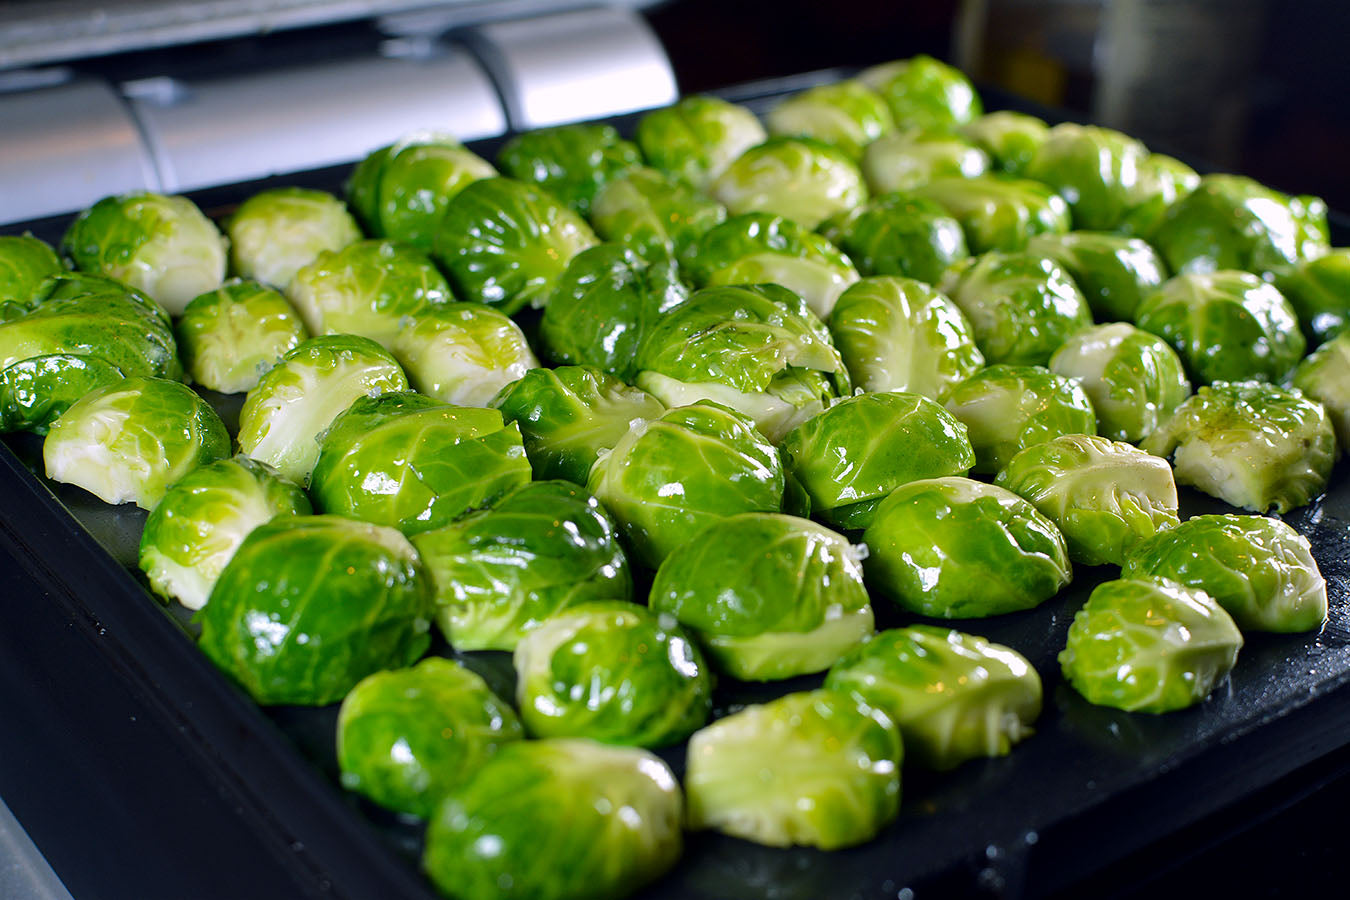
[[899, 234], [463, 353], [846, 114], [997, 212], [1113, 271], [653, 214], [801, 179], [1010, 138], [418, 180], [275, 233], [25, 261], [698, 137], [1319, 292], [1324, 375], [363, 190], [1095, 169], [1162, 182], [924, 92], [572, 162], [907, 159], [230, 337], [35, 392]]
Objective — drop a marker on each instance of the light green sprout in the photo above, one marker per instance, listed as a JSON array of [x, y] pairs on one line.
[[847, 114], [924, 92], [230, 337], [463, 353], [907, 159], [1009, 408], [1114, 272], [697, 138], [653, 214], [898, 234], [1010, 138], [798, 178], [998, 212], [1324, 375], [276, 233]]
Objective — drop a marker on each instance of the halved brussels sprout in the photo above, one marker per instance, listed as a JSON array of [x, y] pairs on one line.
[[276, 233], [283, 417], [1161, 183], [34, 392], [571, 162], [997, 212], [413, 463], [230, 337], [898, 234], [1135, 381], [506, 244], [25, 262], [819, 769], [571, 415], [1020, 306], [1009, 408], [907, 159], [463, 353], [1113, 271], [953, 696], [1104, 495], [407, 737], [1094, 169], [1319, 291], [129, 440], [555, 820], [1010, 138], [158, 244], [1149, 646], [653, 214], [799, 178], [768, 596], [1324, 375], [613, 672], [1225, 325], [757, 248], [203, 518], [310, 605], [924, 92], [668, 478], [500, 572], [697, 138], [1250, 444], [847, 114], [851, 456], [758, 349]]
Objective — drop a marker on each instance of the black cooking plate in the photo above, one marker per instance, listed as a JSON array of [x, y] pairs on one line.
[[258, 791]]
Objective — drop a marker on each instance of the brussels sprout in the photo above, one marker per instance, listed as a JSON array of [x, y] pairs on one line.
[[1009, 408], [34, 392], [79, 285], [1161, 183], [820, 769], [129, 440], [613, 672], [570, 415], [571, 162], [670, 477], [997, 212], [1010, 138], [604, 306], [310, 605], [953, 548], [1250, 444], [1104, 495], [1232, 222], [506, 244], [1319, 291], [847, 114], [653, 214], [363, 189], [463, 353], [697, 138], [203, 518], [500, 572], [408, 737], [758, 349], [25, 262], [897, 334], [799, 178], [283, 416], [851, 456], [898, 234], [413, 463], [768, 596], [161, 245], [1225, 326], [231, 337], [1135, 381], [953, 696], [757, 248], [924, 92], [276, 233], [1094, 169], [1149, 646], [1324, 375], [1113, 271], [555, 820], [907, 159], [1021, 306]]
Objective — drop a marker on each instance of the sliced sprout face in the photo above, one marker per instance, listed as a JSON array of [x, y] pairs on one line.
[[1009, 408], [925, 93], [906, 159], [25, 262], [653, 214], [1105, 496], [818, 769], [130, 440], [407, 737], [1324, 375], [998, 212], [310, 605], [1259, 569], [846, 114], [898, 234], [232, 336], [1226, 326], [276, 233], [418, 179], [852, 455], [159, 244], [283, 417], [670, 477], [697, 138], [953, 548], [506, 243], [501, 572], [1114, 272], [572, 415], [1319, 292], [1162, 181], [195, 529], [1095, 169], [571, 162], [34, 392], [1010, 138], [953, 696], [463, 353], [1134, 379], [1252, 445], [1149, 646], [557, 819], [612, 672], [797, 178]]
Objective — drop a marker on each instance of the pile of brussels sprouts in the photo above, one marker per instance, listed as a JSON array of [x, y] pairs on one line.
[[776, 358]]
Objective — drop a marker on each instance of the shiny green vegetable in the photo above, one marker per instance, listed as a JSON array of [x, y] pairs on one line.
[[907, 159], [1161, 183], [1324, 375], [276, 233], [998, 212], [1094, 169], [653, 214], [798, 178], [1319, 291], [846, 114], [463, 353], [230, 337], [1009, 408], [697, 138], [924, 92], [571, 162], [34, 392], [25, 262], [1113, 271], [1010, 138], [898, 234]]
